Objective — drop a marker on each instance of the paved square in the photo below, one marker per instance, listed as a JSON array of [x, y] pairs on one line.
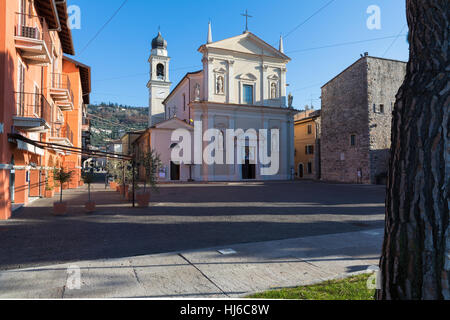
[[186, 217]]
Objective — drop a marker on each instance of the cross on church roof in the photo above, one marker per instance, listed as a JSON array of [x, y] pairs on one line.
[[246, 15]]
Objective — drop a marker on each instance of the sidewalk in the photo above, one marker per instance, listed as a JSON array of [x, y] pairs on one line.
[[207, 273]]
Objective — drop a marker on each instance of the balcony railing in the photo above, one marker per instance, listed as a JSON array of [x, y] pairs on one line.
[[61, 90], [32, 105], [33, 37], [61, 132]]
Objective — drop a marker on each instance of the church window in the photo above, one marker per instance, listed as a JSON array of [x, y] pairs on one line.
[[160, 71], [248, 94]]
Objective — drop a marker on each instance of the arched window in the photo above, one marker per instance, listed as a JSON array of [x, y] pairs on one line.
[[160, 71]]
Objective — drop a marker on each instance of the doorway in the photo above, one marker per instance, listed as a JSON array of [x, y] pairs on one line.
[[248, 169], [12, 180], [300, 170], [174, 171]]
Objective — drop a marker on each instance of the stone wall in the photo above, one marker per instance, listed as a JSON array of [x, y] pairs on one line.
[[359, 101], [384, 78], [344, 113]]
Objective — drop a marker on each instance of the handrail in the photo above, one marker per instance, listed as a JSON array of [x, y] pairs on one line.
[[33, 27], [32, 105]]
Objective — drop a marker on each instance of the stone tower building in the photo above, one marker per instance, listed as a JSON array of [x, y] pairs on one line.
[[159, 84], [357, 110]]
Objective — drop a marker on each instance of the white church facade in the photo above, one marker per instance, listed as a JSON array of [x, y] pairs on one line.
[[242, 86]]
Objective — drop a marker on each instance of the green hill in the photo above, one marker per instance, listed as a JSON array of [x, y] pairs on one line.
[[110, 120]]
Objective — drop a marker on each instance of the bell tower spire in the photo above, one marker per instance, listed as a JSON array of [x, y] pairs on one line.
[[159, 84]]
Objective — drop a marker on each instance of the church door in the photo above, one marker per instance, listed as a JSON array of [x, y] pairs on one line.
[[248, 169], [174, 171]]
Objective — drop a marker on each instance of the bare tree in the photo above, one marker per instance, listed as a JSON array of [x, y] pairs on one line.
[[415, 262]]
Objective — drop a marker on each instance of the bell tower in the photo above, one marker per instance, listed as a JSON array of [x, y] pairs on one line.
[[159, 84]]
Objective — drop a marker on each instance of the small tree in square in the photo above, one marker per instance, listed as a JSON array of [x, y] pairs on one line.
[[62, 177], [151, 162]]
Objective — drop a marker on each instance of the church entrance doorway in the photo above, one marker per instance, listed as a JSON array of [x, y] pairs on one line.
[[248, 169], [174, 171]]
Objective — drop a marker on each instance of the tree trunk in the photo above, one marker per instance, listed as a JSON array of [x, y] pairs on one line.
[[415, 261]]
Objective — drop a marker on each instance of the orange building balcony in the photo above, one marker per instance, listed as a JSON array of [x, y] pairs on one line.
[[32, 39], [33, 113], [62, 135], [61, 91]]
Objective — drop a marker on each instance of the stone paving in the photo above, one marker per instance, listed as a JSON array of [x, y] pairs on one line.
[[185, 217], [203, 273]]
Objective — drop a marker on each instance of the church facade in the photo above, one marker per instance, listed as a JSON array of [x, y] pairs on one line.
[[242, 86]]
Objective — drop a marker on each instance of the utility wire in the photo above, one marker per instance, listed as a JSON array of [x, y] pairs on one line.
[[144, 74], [343, 44], [110, 122], [307, 19], [395, 40], [103, 27]]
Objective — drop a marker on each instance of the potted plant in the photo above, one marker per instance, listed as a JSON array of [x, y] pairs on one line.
[[60, 208], [111, 168], [151, 163], [124, 178], [48, 192], [88, 178]]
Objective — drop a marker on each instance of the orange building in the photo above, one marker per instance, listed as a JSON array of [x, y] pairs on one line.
[[80, 79], [40, 97], [307, 144]]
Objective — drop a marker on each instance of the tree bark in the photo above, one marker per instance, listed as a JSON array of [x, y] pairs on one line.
[[415, 260]]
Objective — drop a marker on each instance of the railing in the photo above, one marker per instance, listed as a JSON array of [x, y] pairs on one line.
[[32, 105], [69, 133], [61, 81], [59, 116], [62, 132], [33, 27]]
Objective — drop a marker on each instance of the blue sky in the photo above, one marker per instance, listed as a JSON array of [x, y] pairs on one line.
[[118, 55]]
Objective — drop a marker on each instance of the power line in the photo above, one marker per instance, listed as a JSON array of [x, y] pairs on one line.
[[110, 122], [395, 40], [309, 18], [342, 44], [103, 27], [144, 74]]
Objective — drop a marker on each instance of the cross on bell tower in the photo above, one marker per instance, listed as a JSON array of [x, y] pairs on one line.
[[246, 15]]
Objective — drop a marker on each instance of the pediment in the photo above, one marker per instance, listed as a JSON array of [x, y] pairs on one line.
[[247, 76], [173, 124], [248, 43], [220, 70]]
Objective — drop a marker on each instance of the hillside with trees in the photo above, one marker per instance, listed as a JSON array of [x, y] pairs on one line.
[[110, 120]]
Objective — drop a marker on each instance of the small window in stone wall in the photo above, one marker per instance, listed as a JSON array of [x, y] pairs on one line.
[[353, 140], [309, 168], [309, 129], [381, 108]]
